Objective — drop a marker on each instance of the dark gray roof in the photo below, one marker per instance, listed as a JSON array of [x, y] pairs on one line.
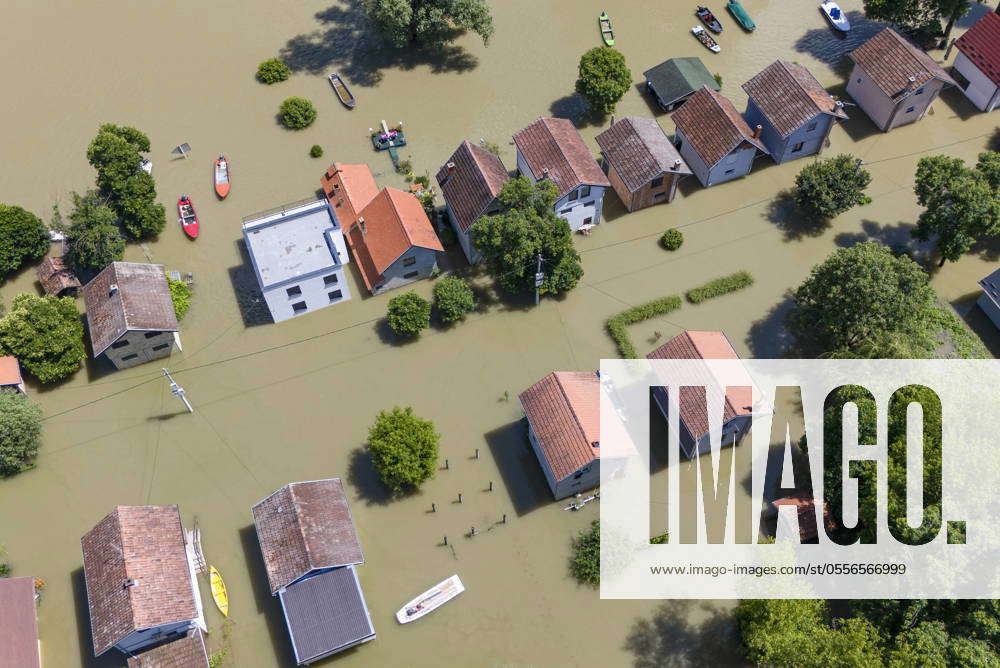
[[678, 78], [127, 296], [326, 614], [991, 286]]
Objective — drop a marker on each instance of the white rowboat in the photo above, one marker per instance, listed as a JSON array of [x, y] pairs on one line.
[[430, 600]]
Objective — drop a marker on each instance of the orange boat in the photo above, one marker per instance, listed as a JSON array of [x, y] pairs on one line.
[[222, 177]]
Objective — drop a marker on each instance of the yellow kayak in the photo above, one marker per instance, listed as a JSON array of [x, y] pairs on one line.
[[219, 591]]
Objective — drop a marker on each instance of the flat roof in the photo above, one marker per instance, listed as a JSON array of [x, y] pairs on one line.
[[295, 242], [326, 614], [18, 623]]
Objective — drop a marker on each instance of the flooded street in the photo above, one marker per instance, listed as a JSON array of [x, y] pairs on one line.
[[280, 403]]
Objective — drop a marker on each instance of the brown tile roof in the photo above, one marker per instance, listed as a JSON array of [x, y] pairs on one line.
[[395, 222], [981, 45], [349, 188], [789, 96], [186, 652], [806, 511], [476, 181], [554, 144], [144, 545], [712, 126], [640, 151], [10, 371], [564, 410], [56, 277], [18, 623], [141, 302], [890, 60], [305, 526], [692, 406]]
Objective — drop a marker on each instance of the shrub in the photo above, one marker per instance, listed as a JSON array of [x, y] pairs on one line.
[[272, 71], [720, 286], [672, 239], [453, 298], [404, 448], [45, 334], [718, 79], [585, 562], [180, 294], [297, 113], [422, 180], [604, 79], [618, 325], [316, 151], [20, 432], [409, 313], [22, 237]]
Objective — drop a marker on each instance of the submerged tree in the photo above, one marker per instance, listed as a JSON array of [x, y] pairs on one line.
[[130, 191], [827, 188], [453, 299], [45, 334], [428, 22], [404, 448], [409, 313], [918, 14], [23, 237], [93, 239], [604, 78], [585, 560], [20, 432]]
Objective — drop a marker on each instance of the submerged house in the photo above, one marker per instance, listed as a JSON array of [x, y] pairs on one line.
[[977, 65], [18, 624], [989, 301], [10, 374], [714, 139], [692, 402], [299, 257], [186, 652], [56, 278], [672, 82], [794, 111], [470, 182], [551, 148], [388, 232], [893, 81], [643, 166], [130, 314], [310, 548], [141, 587]]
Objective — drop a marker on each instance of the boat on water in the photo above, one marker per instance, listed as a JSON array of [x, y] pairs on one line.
[[607, 34], [219, 593], [708, 18], [189, 217], [741, 16], [706, 39], [430, 600], [146, 165], [835, 15], [342, 91], [222, 177]]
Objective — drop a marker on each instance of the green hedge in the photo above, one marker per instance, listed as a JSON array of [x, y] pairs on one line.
[[720, 286], [618, 324]]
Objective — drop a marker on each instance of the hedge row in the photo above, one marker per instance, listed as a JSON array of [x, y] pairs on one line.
[[618, 325], [720, 286]]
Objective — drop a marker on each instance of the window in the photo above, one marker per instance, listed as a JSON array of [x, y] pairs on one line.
[[859, 80], [412, 274], [920, 91], [659, 197], [811, 126], [730, 171], [678, 143], [294, 291], [657, 182], [910, 110], [161, 346], [298, 307], [120, 344], [585, 191], [330, 280], [335, 295], [588, 221], [798, 147], [565, 211], [409, 261], [575, 195], [129, 357], [152, 335]]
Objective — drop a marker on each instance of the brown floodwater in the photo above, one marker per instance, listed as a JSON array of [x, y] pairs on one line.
[[277, 403]]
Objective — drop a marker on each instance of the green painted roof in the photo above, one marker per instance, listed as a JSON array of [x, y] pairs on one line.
[[678, 78]]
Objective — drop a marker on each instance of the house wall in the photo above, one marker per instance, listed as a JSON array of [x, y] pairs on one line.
[[586, 478], [692, 159], [138, 640], [782, 149], [919, 103], [402, 271], [735, 165], [989, 308], [136, 347], [314, 291], [574, 212], [692, 446], [647, 195], [465, 238], [885, 112], [980, 90]]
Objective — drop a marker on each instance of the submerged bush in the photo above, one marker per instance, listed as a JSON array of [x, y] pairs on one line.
[[618, 325], [180, 293], [316, 151], [585, 563], [409, 313], [453, 298], [272, 71], [20, 432], [297, 113], [404, 448], [720, 286], [672, 239]]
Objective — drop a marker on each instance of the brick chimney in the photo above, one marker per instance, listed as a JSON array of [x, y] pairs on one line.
[[545, 172], [757, 130]]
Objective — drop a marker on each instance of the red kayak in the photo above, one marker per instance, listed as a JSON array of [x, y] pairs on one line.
[[189, 217], [222, 177]]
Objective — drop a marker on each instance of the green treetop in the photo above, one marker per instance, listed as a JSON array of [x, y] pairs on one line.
[[604, 78], [428, 22], [45, 334], [404, 448], [23, 237]]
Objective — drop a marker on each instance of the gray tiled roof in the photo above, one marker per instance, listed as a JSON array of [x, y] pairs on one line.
[[789, 96], [477, 179], [640, 151], [890, 60], [127, 296], [186, 652]]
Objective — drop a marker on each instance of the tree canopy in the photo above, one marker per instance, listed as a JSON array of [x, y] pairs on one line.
[[409, 313], [453, 299], [585, 560], [923, 15], [20, 432], [604, 78], [297, 113], [93, 238], [180, 295], [45, 334], [129, 191], [404, 448], [528, 227], [23, 237], [428, 22], [827, 188]]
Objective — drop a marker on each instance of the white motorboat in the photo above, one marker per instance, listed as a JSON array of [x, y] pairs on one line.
[[430, 600], [835, 15], [146, 165]]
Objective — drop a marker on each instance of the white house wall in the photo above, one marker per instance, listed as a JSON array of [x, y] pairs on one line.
[[315, 292], [692, 158], [876, 105], [577, 212], [981, 91]]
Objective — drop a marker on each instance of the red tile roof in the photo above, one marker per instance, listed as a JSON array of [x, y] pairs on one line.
[[554, 144], [640, 151], [789, 96], [890, 60], [127, 296], [137, 573], [477, 179], [18, 623], [186, 652], [981, 45], [348, 188], [712, 126], [10, 371], [564, 410], [806, 511], [692, 408]]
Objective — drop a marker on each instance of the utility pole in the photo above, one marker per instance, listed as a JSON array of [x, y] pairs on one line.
[[178, 391], [539, 277]]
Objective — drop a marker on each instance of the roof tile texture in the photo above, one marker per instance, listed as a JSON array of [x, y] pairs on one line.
[[890, 60], [640, 151], [18, 623], [10, 371], [789, 96], [476, 181], [564, 410], [981, 45], [712, 126], [141, 302], [56, 277], [186, 652], [554, 144]]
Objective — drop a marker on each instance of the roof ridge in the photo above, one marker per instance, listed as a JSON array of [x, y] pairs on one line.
[[784, 65], [398, 216], [298, 524], [562, 152], [642, 140], [576, 417], [715, 95], [128, 576]]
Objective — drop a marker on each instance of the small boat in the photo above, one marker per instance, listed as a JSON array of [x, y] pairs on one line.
[[189, 217], [146, 165], [430, 600], [706, 39], [604, 21], [835, 16], [222, 177], [708, 18], [741, 16], [340, 88], [219, 593]]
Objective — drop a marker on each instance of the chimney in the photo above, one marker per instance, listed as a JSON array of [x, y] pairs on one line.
[[451, 171], [129, 582], [756, 131], [545, 173], [113, 290], [361, 224], [677, 163]]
